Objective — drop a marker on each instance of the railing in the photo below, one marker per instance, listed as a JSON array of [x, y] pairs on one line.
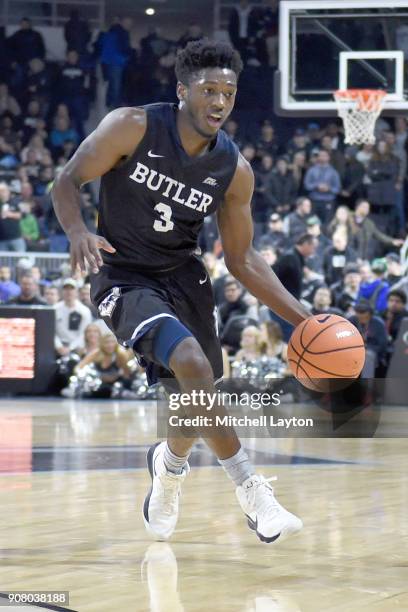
[[47, 262], [52, 12]]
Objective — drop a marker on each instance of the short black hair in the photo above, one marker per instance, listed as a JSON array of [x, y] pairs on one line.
[[399, 294], [305, 239], [205, 53]]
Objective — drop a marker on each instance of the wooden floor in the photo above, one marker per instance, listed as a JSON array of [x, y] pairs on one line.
[[72, 484]]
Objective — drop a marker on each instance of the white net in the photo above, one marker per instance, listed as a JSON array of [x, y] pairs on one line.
[[359, 109]]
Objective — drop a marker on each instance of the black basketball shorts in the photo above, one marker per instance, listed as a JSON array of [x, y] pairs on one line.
[[132, 302]]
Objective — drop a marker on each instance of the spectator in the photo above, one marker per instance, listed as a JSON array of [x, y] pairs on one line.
[[346, 292], [375, 292], [375, 338], [314, 228], [336, 257], [72, 317], [92, 338], [29, 293], [298, 169], [8, 104], [367, 235], [233, 304], [8, 288], [383, 173], [298, 144], [73, 87], [240, 26], [51, 295], [336, 157], [77, 34], [26, 43], [282, 187], [398, 152], [61, 134], [266, 143], [10, 232], [250, 344], [115, 54], [33, 121], [322, 182], [29, 226], [394, 268], [342, 222], [396, 311], [275, 236], [289, 270], [322, 302], [9, 132], [295, 224], [38, 84], [353, 177], [274, 346], [43, 183], [262, 202], [111, 363]]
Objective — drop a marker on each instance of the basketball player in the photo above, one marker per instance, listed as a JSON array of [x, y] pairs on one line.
[[164, 168]]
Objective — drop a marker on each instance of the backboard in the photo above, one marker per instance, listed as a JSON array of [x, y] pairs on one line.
[[326, 45]]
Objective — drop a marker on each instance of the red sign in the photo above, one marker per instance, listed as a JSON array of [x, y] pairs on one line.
[[17, 344]]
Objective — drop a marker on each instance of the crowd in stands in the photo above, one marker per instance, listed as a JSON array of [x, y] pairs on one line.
[[329, 219]]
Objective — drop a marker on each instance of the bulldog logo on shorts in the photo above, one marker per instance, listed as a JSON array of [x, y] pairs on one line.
[[107, 306]]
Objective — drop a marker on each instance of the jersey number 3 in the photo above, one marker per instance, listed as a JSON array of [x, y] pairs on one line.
[[165, 224]]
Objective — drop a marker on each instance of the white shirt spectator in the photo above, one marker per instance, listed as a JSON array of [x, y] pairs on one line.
[[71, 322]]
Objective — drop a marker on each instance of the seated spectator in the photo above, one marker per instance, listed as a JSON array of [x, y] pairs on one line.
[[395, 312], [273, 344], [267, 143], [29, 295], [346, 292], [295, 224], [36, 144], [51, 295], [72, 317], [275, 236], [367, 236], [336, 157], [26, 43], [352, 179], [233, 304], [343, 221], [249, 152], [11, 238], [29, 226], [250, 344], [282, 187], [394, 268], [38, 83], [322, 302], [33, 122], [336, 257], [262, 203], [375, 337], [62, 133], [298, 144], [375, 291], [298, 168], [314, 228], [9, 132], [269, 254], [8, 104], [289, 270], [92, 338], [8, 288], [42, 184], [322, 183]]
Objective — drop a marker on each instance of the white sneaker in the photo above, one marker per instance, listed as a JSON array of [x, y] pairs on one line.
[[265, 515], [161, 505]]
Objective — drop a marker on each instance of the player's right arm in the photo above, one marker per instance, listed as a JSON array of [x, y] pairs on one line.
[[115, 138]]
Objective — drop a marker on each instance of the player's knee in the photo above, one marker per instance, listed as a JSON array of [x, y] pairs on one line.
[[189, 362]]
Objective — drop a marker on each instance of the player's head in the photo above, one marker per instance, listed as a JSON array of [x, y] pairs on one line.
[[207, 74]]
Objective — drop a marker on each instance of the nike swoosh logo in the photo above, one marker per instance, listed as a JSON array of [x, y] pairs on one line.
[[204, 280], [150, 154]]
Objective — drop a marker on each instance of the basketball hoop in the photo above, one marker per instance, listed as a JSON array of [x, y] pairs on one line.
[[359, 109]]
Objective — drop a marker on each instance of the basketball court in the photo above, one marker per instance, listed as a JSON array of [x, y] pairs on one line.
[[73, 473]]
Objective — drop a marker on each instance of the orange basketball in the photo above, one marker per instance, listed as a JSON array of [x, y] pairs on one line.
[[326, 352]]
